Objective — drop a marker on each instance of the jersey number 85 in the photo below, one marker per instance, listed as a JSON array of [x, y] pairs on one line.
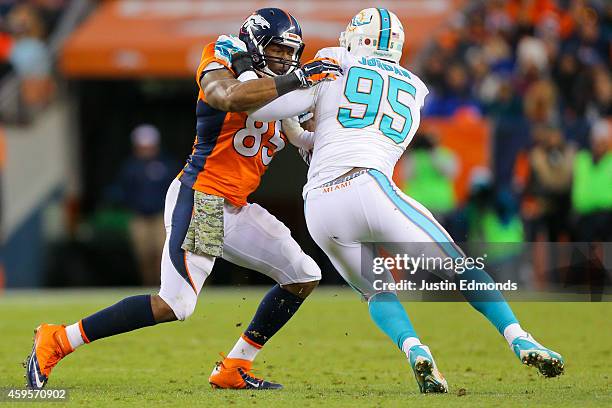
[[258, 135], [371, 98]]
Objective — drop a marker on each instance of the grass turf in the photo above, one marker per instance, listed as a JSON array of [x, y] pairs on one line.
[[330, 355]]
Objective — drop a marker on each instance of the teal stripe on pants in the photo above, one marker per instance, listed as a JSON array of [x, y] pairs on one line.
[[416, 217]]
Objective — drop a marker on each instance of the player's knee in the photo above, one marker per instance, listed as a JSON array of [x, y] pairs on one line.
[[305, 268], [302, 289], [162, 312], [180, 307], [309, 268], [184, 309]]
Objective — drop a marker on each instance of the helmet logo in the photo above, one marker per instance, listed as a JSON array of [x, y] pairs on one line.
[[256, 20], [360, 20]]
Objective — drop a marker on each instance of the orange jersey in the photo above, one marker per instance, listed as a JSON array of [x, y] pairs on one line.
[[231, 151]]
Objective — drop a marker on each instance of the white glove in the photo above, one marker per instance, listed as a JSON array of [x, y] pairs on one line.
[[300, 138], [291, 128], [226, 46], [297, 135]]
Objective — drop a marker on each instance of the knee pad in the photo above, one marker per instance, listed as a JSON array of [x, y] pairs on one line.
[[305, 267], [181, 304], [310, 268]]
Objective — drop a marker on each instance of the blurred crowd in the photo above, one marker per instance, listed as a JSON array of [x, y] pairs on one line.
[[539, 70], [25, 26]]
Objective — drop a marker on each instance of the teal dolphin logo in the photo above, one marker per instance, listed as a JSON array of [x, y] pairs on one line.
[[360, 20]]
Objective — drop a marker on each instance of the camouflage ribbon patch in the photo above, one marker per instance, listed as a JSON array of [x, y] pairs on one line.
[[205, 232]]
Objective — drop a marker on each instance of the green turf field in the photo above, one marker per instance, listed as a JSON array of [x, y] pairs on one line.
[[329, 355]]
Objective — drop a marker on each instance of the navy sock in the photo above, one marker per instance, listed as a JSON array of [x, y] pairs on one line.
[[129, 314], [275, 309]]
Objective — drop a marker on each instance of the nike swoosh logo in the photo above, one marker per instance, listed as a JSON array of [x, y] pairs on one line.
[[33, 368], [249, 380], [252, 384], [34, 365]]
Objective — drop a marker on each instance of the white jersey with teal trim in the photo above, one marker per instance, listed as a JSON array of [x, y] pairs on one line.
[[366, 118]]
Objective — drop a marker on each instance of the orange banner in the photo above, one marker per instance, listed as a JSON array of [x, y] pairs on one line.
[[155, 38]]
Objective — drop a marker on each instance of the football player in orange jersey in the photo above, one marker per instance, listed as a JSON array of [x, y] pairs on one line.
[[207, 214]]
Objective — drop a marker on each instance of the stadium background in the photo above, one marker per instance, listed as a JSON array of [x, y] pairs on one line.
[[518, 90]]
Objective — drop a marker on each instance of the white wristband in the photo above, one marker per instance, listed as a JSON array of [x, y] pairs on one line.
[[247, 76]]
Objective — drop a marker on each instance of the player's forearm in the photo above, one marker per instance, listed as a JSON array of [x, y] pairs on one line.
[[304, 140], [244, 96], [237, 96], [287, 106], [296, 135]]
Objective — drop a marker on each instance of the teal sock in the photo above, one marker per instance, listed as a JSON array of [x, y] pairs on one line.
[[389, 315], [490, 303]]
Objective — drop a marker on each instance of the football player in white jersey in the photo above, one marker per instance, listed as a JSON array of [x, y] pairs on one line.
[[364, 122]]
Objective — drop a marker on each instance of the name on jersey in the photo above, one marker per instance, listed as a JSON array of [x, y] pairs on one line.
[[375, 62]]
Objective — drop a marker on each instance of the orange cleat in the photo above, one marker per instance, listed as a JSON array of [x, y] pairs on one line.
[[50, 346], [235, 373]]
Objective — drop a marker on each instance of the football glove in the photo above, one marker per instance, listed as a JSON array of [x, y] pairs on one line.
[[305, 117], [227, 46], [318, 70], [242, 61], [306, 155]]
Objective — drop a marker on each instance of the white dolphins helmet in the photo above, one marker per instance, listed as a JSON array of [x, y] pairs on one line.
[[374, 32]]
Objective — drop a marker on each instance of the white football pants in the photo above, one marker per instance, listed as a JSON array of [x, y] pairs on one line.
[[367, 217], [253, 238]]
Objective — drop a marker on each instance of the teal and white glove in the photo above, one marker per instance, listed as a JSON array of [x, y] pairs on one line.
[[228, 45], [298, 137], [306, 155]]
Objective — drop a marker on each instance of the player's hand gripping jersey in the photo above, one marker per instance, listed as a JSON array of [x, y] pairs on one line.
[[231, 150], [365, 119]]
